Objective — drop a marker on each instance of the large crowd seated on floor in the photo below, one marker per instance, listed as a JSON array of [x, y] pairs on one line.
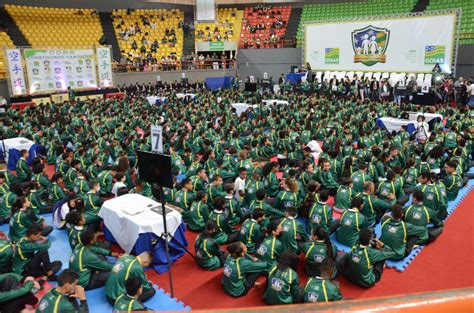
[[262, 183]]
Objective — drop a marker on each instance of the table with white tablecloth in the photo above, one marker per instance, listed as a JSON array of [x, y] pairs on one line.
[[139, 232], [391, 124], [156, 100], [12, 148], [275, 102], [183, 95], [242, 107], [413, 116]]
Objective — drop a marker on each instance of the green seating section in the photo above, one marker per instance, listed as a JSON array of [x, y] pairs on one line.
[[330, 11], [467, 17]]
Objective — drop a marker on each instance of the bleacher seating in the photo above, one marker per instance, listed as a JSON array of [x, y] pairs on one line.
[[331, 11], [269, 37], [467, 16], [228, 27], [153, 25], [4, 41], [57, 26]]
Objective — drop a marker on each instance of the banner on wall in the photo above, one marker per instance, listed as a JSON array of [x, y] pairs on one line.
[[104, 63], [399, 44], [53, 70], [15, 69]]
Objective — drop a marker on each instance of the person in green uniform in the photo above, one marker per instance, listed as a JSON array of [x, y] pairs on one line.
[[260, 203], [360, 177], [71, 174], [392, 186], [320, 214], [364, 265], [7, 201], [81, 185], [352, 221], [317, 250], [127, 267], [232, 206], [6, 254], [16, 292], [208, 253], [93, 271], [327, 179], [129, 300], [31, 256], [287, 197], [271, 247], [105, 179], [198, 214], [418, 214], [92, 205], [283, 282], [240, 270], [452, 181], [225, 232], [64, 297], [23, 170], [214, 189], [271, 182], [200, 180], [251, 230], [399, 235], [23, 217], [56, 192], [410, 176], [374, 208], [434, 198], [293, 231], [42, 180], [319, 288], [185, 197]]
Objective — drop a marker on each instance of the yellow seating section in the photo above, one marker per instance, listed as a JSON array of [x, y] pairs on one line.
[[57, 26], [4, 41], [171, 19], [229, 19]]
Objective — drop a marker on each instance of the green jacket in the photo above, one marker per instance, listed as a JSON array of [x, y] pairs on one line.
[[15, 293], [315, 252], [453, 183], [320, 214], [269, 251], [197, 216], [6, 204], [184, 199], [235, 271], [358, 180], [271, 185], [223, 226], [352, 221], [25, 250], [54, 302], [20, 222], [23, 170], [233, 210], [359, 265], [105, 179], [327, 180], [251, 187], [395, 234], [420, 215], [282, 287], [250, 234], [125, 303], [127, 266], [292, 233], [6, 254], [81, 186], [285, 199], [410, 176], [343, 198], [56, 193], [372, 205], [318, 289], [207, 250], [83, 261], [388, 187], [269, 210], [433, 198]]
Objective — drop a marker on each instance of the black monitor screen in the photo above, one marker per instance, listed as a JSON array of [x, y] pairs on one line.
[[155, 168]]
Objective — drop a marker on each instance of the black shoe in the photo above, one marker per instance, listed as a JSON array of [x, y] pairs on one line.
[[56, 266]]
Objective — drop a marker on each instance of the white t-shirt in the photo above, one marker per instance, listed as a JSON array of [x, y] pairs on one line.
[[63, 211], [239, 185], [117, 186]]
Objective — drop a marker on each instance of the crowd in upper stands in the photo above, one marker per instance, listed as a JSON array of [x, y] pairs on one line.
[[261, 182]]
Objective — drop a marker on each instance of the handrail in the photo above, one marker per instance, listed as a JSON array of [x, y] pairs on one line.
[[173, 65]]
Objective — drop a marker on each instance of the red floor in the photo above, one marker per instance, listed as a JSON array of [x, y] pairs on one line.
[[445, 264]]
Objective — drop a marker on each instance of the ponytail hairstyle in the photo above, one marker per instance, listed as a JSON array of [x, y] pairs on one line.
[[200, 195], [287, 259], [210, 227], [347, 169], [18, 204], [321, 234]]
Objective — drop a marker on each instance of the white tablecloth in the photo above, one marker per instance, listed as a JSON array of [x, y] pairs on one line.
[[152, 99], [18, 143], [242, 107], [182, 95], [273, 101], [126, 228], [413, 116], [396, 124]]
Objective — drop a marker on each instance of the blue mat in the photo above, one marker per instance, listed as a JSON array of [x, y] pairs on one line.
[[61, 251]]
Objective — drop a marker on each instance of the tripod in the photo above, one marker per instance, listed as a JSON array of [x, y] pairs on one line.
[[159, 194]]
